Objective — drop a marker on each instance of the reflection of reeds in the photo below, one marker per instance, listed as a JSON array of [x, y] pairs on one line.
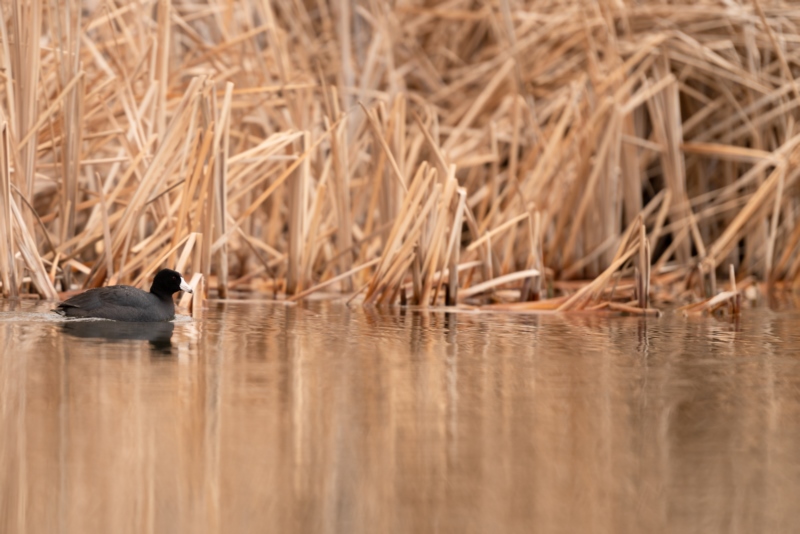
[[438, 155]]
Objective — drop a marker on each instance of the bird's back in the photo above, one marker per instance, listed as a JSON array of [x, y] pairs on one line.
[[120, 303]]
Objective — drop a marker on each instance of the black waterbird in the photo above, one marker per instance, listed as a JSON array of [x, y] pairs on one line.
[[126, 303]]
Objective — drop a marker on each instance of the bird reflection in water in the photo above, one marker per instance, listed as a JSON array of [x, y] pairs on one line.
[[157, 334]]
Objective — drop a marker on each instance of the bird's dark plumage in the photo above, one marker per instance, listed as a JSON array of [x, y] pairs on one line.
[[126, 303]]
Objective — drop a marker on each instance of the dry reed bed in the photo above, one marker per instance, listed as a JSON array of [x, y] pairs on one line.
[[462, 152]]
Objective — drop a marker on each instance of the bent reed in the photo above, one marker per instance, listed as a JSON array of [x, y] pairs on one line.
[[517, 154]]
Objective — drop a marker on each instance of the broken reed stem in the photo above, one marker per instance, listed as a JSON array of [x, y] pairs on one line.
[[8, 267]]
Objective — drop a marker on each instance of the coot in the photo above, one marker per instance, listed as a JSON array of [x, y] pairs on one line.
[[126, 303]]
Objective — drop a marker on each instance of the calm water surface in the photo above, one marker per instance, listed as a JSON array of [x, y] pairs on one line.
[[266, 418]]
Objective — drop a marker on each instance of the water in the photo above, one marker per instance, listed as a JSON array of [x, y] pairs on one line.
[[267, 418]]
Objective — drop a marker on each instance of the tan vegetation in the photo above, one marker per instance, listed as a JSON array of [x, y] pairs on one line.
[[519, 154]]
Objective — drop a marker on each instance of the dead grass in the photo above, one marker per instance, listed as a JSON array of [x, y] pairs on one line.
[[462, 152]]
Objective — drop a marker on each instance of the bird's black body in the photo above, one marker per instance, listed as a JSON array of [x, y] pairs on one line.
[[126, 303]]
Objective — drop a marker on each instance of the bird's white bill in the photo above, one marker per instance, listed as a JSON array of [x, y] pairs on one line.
[[184, 286]]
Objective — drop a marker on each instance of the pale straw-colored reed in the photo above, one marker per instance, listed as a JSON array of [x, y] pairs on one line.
[[518, 154]]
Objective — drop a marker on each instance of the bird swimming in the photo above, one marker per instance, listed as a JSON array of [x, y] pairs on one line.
[[126, 303]]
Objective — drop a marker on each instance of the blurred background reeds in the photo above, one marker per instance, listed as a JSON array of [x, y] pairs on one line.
[[522, 154]]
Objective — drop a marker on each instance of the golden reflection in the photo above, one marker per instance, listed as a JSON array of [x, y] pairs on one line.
[[331, 419]]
